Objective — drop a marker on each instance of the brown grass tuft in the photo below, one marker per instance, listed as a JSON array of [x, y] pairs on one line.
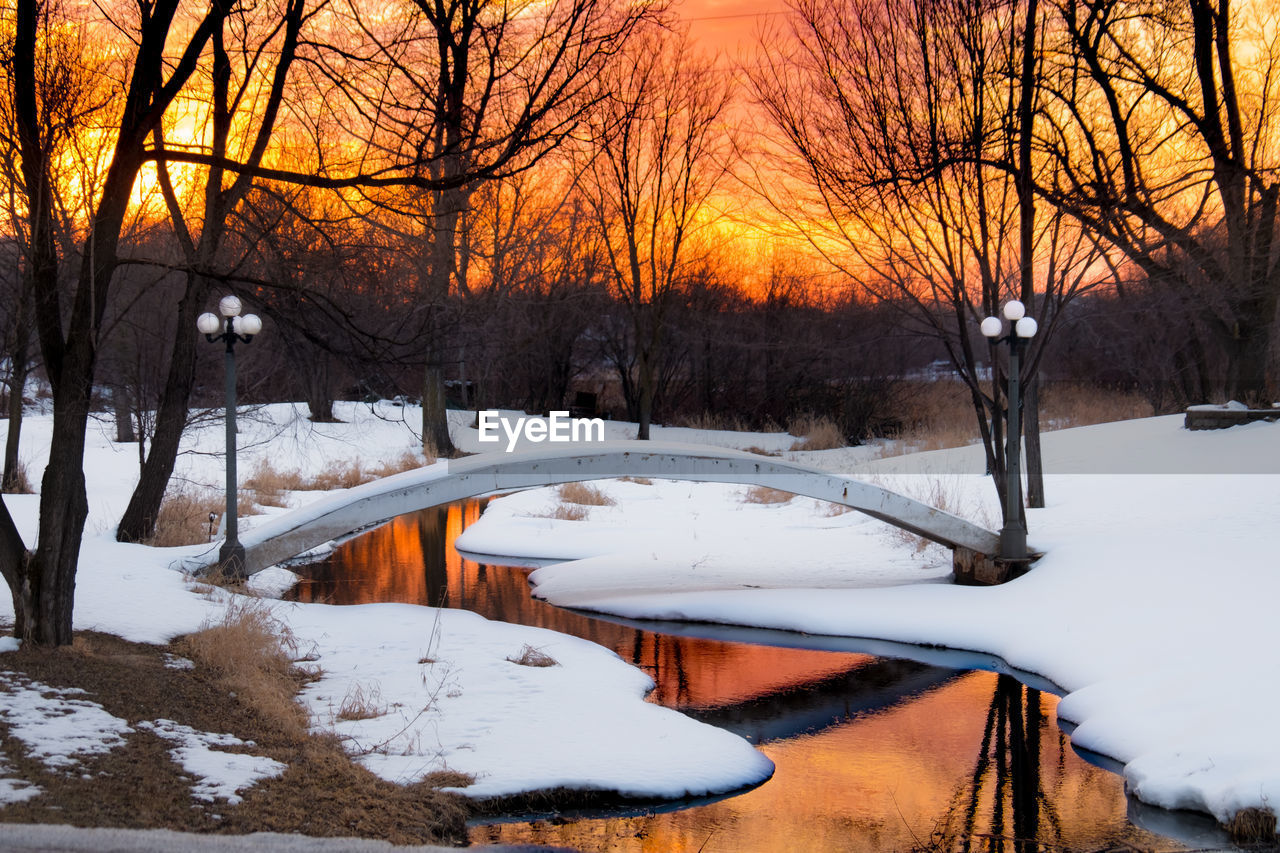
[[184, 516], [938, 415], [639, 481], [529, 656], [270, 483], [361, 704], [20, 481], [251, 652], [567, 512], [766, 495], [816, 433], [760, 451], [584, 494], [1252, 826]]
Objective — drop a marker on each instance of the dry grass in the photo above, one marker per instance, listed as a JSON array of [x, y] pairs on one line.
[[184, 516], [1252, 826], [270, 483], [816, 433], [722, 422], [139, 785], [940, 492], [252, 652], [939, 415], [639, 481], [1072, 404], [20, 482], [766, 495], [529, 656], [567, 512], [583, 494], [361, 704], [760, 451]]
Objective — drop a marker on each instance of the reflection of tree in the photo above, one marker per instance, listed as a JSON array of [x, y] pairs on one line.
[[1006, 778], [432, 526]]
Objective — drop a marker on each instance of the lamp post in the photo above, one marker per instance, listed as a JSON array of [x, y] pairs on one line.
[[1013, 535], [230, 327]]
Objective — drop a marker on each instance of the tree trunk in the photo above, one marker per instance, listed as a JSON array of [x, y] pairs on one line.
[[20, 363], [319, 382], [139, 519], [45, 595], [436, 440], [1031, 429], [645, 403], [124, 415]]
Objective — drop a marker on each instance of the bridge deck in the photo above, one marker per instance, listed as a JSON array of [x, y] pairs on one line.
[[300, 530]]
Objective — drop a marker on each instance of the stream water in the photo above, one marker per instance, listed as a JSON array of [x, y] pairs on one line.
[[872, 752]]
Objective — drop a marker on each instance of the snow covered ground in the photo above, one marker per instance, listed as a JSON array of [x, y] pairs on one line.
[[449, 695], [1152, 609]]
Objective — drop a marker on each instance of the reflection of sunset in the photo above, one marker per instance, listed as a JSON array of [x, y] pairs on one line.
[[406, 560], [872, 754], [882, 782]]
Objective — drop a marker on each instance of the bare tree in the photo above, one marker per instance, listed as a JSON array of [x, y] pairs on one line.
[[470, 90], [42, 582], [238, 62], [1163, 125], [905, 132], [659, 152]]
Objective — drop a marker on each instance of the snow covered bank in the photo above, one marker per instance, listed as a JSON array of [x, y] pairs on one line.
[[440, 684], [1153, 607]]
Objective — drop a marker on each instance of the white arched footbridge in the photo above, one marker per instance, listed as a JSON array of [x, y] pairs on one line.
[[298, 531]]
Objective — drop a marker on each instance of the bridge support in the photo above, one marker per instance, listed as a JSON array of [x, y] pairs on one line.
[[973, 568]]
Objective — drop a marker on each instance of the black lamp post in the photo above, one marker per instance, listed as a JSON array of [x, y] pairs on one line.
[[230, 327], [1013, 535]]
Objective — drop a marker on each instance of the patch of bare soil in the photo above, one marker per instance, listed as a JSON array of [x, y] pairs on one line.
[[138, 785]]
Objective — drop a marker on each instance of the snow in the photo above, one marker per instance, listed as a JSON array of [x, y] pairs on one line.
[[582, 724], [55, 728], [1151, 609], [219, 774]]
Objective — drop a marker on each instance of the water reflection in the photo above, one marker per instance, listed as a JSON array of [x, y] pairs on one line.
[[872, 753]]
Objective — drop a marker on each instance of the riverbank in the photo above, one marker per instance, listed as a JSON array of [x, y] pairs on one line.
[[411, 692], [1152, 606], [1114, 613]]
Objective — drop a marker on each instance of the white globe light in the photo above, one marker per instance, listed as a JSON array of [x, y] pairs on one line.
[[229, 306], [208, 323], [991, 327], [1014, 310], [250, 324], [1026, 327]]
